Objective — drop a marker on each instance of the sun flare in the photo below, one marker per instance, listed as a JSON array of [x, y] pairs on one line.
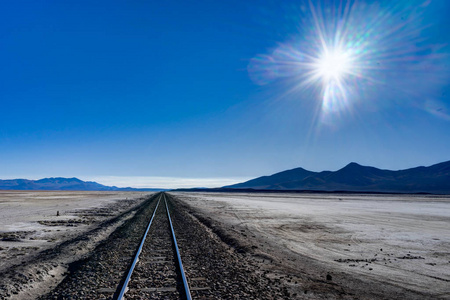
[[333, 65], [346, 54]]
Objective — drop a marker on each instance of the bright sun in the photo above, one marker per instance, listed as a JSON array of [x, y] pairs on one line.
[[333, 64]]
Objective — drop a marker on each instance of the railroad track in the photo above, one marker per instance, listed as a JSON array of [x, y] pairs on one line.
[[213, 269], [156, 271]]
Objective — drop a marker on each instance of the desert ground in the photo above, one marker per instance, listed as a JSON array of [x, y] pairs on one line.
[[386, 242], [35, 221], [29, 219], [300, 246]]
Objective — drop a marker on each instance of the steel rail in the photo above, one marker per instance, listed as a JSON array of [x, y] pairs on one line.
[[180, 264], [136, 257]]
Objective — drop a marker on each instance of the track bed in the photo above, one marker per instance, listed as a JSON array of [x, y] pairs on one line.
[[213, 270]]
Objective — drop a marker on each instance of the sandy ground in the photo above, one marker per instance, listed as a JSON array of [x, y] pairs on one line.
[[401, 241], [29, 221]]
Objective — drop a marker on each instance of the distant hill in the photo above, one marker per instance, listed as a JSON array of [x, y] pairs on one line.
[[61, 184], [434, 179]]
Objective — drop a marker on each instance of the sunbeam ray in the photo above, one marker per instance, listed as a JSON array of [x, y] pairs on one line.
[[352, 50]]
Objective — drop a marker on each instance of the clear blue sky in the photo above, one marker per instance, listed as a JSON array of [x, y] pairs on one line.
[[220, 89]]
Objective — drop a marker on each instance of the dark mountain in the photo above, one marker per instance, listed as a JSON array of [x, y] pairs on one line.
[[61, 184], [265, 182], [356, 178]]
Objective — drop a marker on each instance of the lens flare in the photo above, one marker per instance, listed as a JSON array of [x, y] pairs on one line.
[[350, 54]]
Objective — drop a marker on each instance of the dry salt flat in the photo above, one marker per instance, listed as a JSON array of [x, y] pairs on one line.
[[399, 240], [29, 220]]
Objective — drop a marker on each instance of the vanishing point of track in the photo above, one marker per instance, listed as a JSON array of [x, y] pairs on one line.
[[125, 265], [157, 255]]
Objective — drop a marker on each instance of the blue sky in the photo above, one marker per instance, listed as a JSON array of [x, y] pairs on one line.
[[120, 91]]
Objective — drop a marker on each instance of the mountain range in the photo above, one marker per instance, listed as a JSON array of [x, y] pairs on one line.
[[434, 179], [61, 184], [353, 177]]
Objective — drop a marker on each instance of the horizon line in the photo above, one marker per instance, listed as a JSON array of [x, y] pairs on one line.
[[157, 182]]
